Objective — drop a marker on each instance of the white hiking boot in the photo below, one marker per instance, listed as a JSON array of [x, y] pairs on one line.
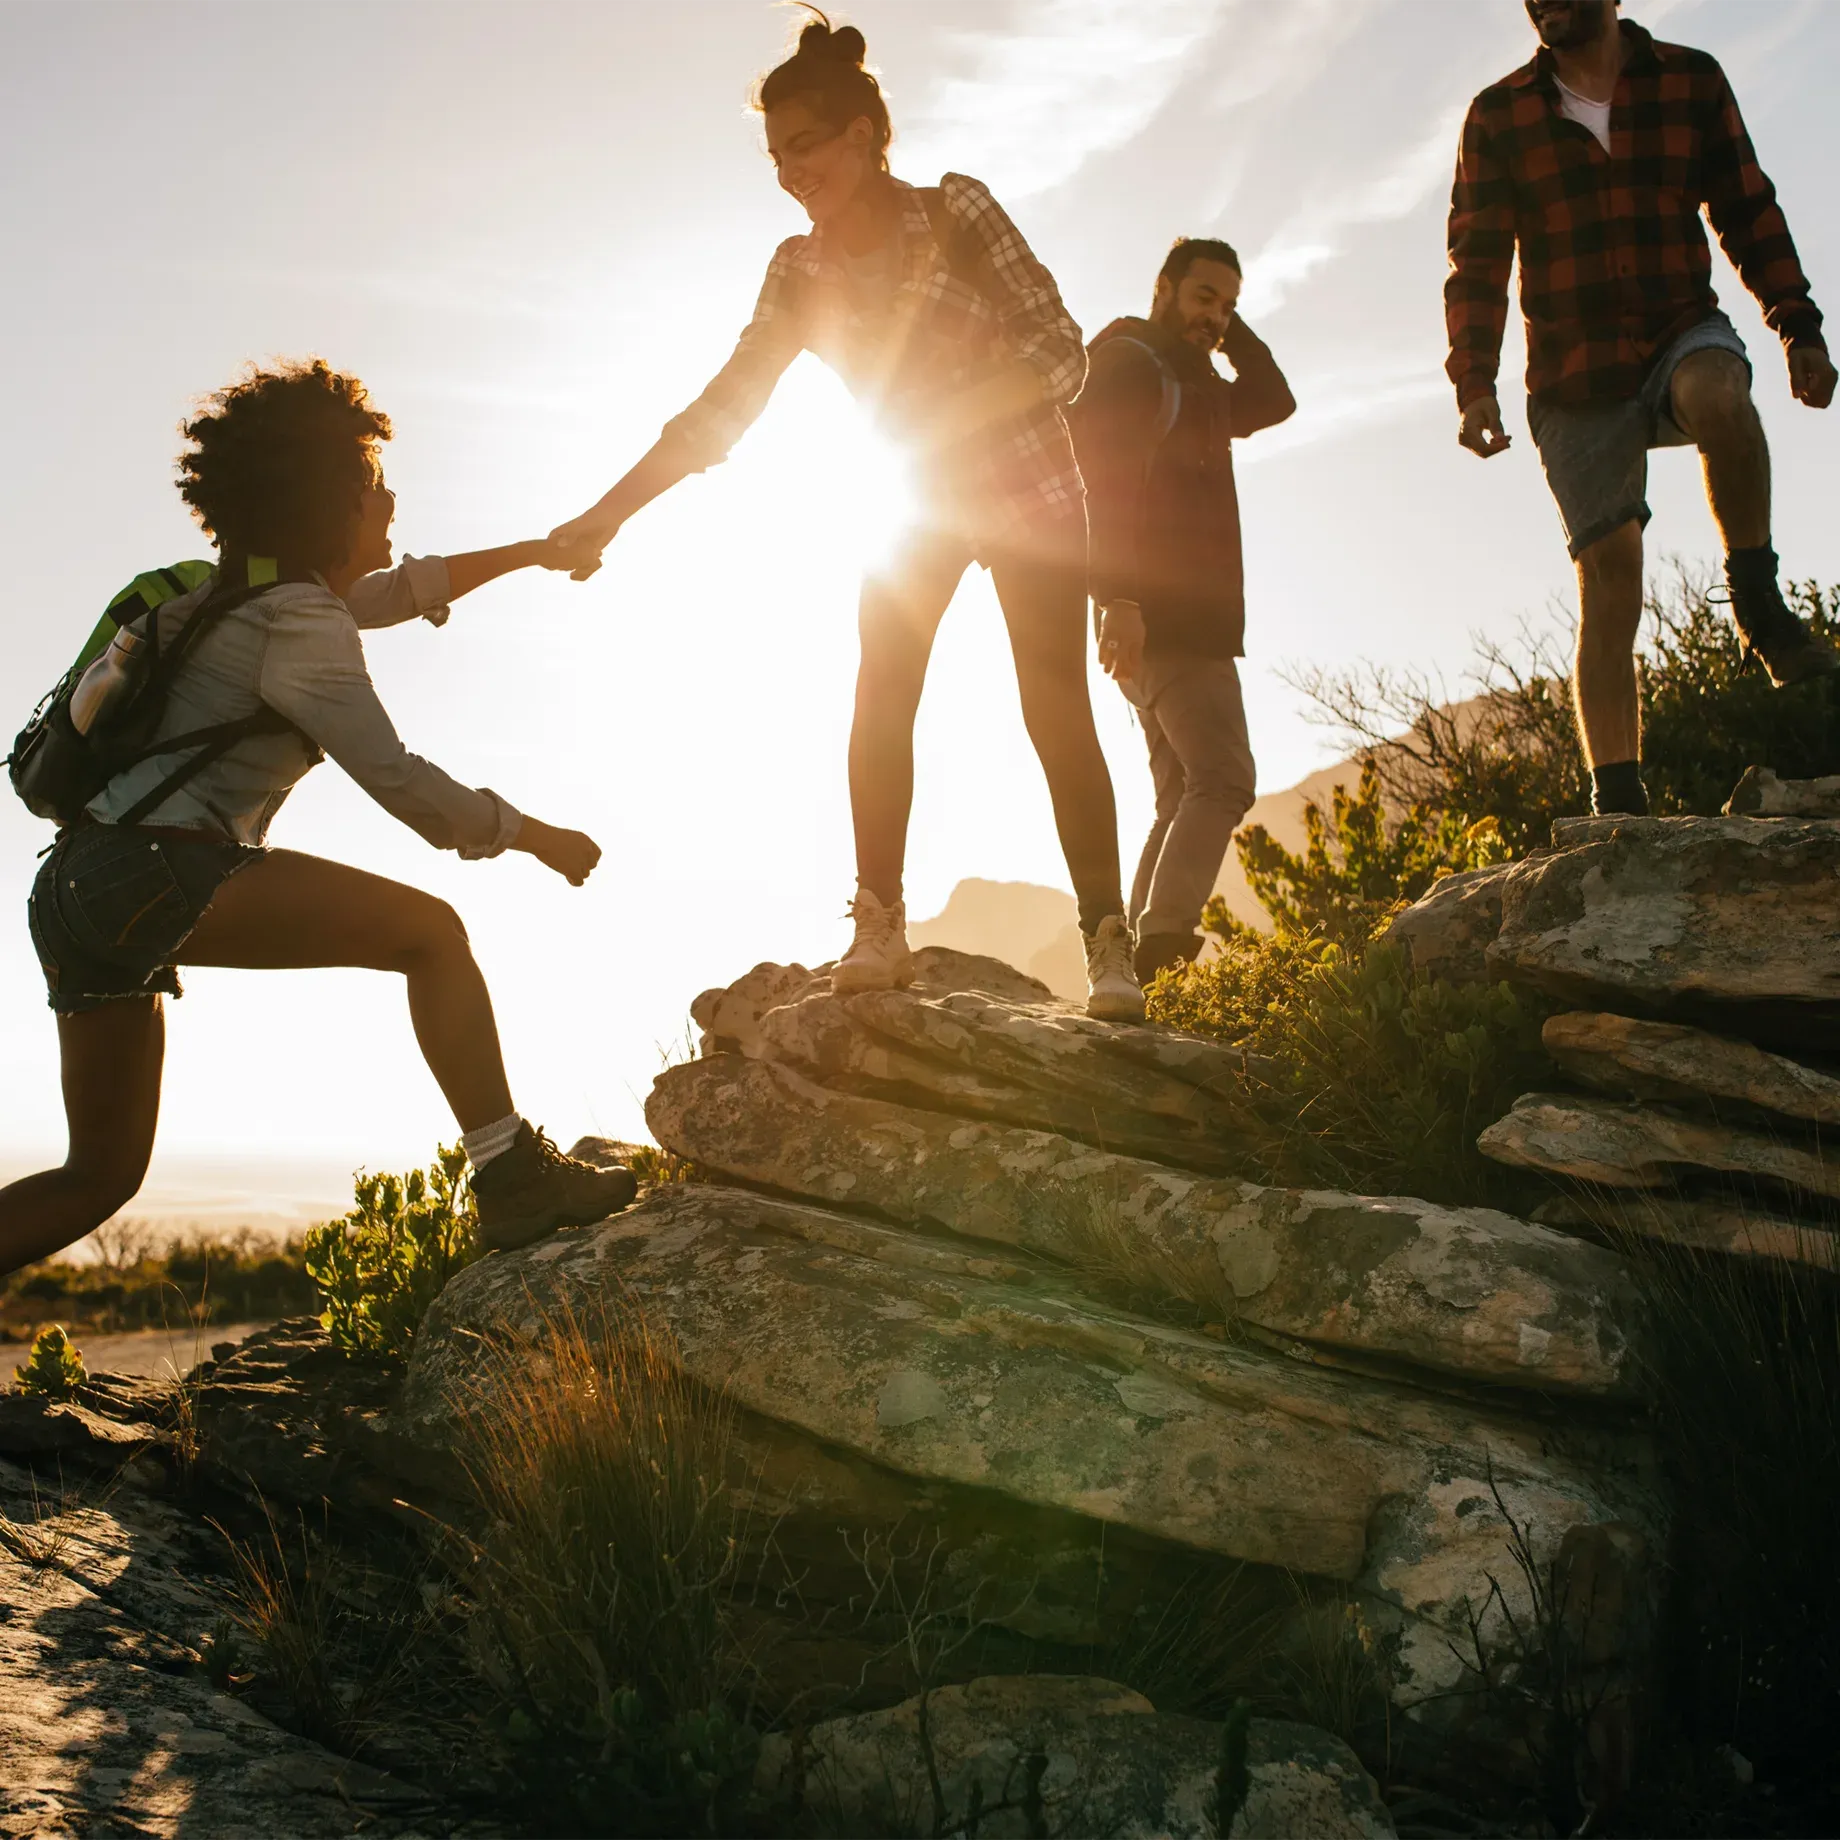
[[878, 958], [1112, 983]]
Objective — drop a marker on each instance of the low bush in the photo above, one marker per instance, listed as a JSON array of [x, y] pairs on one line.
[[382, 1265], [55, 1369], [1367, 1077], [134, 1282]]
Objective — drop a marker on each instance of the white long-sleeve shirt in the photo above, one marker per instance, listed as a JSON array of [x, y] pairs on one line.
[[296, 649]]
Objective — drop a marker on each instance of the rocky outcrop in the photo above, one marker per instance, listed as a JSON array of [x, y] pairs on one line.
[[1465, 1291], [978, 1040], [1446, 934], [107, 1725], [1637, 1146], [1663, 1060], [1048, 1754], [1726, 922], [1760, 794]]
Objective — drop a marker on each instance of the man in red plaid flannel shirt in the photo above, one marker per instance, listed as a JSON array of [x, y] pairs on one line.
[[1594, 161]]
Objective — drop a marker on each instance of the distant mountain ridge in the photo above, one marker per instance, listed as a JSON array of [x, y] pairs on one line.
[[1037, 930]]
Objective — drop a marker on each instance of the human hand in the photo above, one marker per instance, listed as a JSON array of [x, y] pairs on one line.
[[572, 854], [581, 540], [1481, 431], [1121, 639], [1811, 376]]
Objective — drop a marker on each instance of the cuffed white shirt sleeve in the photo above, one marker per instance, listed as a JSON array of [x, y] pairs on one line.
[[417, 588]]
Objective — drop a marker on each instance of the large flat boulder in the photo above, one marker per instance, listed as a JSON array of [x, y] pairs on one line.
[[1727, 921], [1640, 1059], [1053, 1754], [1636, 1146], [1462, 1291], [966, 1367], [974, 1039]]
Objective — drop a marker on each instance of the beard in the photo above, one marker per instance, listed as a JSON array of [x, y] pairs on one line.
[[1569, 27], [1195, 331]]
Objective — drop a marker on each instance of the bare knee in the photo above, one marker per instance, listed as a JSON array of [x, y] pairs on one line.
[[101, 1179], [433, 934], [1711, 396], [1610, 586]]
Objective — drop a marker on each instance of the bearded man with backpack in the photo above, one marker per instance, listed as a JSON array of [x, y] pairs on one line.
[[207, 694], [1154, 430]]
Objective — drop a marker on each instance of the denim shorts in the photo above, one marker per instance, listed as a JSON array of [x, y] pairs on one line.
[[112, 907], [1596, 454]]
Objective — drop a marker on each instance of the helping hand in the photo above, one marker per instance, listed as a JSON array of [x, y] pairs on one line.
[[1481, 430], [1811, 376], [1121, 640], [581, 540]]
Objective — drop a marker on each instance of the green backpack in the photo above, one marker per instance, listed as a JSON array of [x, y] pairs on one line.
[[120, 682]]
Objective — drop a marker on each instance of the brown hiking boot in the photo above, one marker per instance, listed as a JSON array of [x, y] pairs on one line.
[[532, 1189], [1791, 652]]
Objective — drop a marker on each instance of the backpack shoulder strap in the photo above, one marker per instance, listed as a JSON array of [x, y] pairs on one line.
[[1171, 405]]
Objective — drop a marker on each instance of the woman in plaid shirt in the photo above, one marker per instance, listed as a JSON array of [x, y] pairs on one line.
[[937, 314]]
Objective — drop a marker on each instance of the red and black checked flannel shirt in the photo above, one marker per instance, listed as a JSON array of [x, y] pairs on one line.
[[1614, 259], [955, 317]]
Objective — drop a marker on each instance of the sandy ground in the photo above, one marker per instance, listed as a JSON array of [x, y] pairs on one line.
[[159, 1354]]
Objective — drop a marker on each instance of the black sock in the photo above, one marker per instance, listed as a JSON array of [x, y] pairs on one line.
[[1093, 909], [1752, 568], [1617, 790]]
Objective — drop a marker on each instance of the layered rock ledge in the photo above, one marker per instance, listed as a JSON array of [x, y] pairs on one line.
[[965, 1238]]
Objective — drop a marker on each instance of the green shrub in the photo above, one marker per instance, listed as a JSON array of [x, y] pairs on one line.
[[1357, 869], [1369, 1078], [1509, 749], [384, 1263], [55, 1368]]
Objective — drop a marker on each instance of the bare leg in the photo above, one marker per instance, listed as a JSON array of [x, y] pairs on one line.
[[111, 1071], [1044, 606], [291, 911], [901, 611], [1711, 394], [1609, 614]]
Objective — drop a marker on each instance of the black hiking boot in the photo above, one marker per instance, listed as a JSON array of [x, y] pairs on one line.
[[532, 1189], [1790, 652], [1158, 951]]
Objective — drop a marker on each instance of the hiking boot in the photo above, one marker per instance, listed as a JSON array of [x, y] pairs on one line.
[[1114, 995], [1790, 652], [1158, 951], [878, 958], [532, 1189]]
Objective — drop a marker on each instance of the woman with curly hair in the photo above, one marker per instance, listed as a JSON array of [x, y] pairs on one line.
[[937, 314], [170, 869]]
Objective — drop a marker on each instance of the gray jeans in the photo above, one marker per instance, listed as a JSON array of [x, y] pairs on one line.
[[1201, 763]]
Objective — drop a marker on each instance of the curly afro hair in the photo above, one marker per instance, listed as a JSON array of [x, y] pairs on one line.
[[279, 460]]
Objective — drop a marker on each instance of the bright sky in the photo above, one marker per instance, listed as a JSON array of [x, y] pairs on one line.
[[534, 229]]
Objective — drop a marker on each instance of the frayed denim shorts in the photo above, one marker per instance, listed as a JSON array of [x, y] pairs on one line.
[[1596, 454], [113, 906]]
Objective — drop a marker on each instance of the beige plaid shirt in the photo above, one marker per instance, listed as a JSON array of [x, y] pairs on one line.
[[955, 317]]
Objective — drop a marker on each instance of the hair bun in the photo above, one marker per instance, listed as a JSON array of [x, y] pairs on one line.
[[844, 44]]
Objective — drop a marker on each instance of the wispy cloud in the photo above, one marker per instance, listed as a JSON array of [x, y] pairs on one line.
[[1064, 81]]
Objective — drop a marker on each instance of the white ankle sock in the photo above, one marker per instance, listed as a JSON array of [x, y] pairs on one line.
[[490, 1140]]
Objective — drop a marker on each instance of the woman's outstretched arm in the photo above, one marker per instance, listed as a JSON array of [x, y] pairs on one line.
[[702, 435]]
